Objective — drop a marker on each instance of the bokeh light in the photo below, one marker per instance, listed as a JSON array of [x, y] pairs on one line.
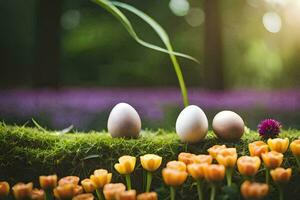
[[195, 17], [179, 7], [272, 22], [70, 19]]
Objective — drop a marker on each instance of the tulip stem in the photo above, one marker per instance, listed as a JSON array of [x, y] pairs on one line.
[[267, 176], [128, 181], [149, 180], [298, 161], [99, 194], [48, 195], [213, 191], [280, 193], [229, 172], [172, 193], [199, 189]]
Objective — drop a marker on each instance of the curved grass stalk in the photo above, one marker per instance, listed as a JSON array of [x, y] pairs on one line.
[[111, 7]]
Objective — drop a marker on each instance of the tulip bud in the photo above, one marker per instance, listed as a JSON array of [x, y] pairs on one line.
[[69, 180], [22, 191], [126, 165], [187, 158], [202, 158], [100, 178], [67, 191], [281, 175], [295, 148], [173, 177], [257, 148], [214, 150], [278, 144], [86, 196], [178, 165], [37, 194], [214, 173], [272, 159], [48, 182], [127, 195], [248, 166], [197, 171], [254, 190], [227, 157], [112, 190], [88, 185], [151, 162], [147, 196], [4, 189]]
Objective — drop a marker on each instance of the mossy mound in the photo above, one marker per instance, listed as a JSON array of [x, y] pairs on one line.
[[27, 153]]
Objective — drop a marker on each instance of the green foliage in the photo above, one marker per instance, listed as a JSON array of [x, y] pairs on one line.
[[27, 153]]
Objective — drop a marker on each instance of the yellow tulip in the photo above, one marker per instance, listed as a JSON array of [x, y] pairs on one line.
[[227, 157], [178, 165], [252, 190], [248, 166], [278, 144], [173, 177], [67, 191], [295, 148], [202, 158], [147, 196], [126, 165], [69, 179], [37, 194], [4, 189], [127, 195], [22, 190], [281, 175], [197, 170], [257, 148], [187, 158], [151, 162], [272, 159], [214, 150], [113, 190], [48, 182], [214, 173], [100, 178], [86, 196], [88, 185]]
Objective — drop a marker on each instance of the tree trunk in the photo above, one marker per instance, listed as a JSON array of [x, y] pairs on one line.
[[46, 70], [214, 75]]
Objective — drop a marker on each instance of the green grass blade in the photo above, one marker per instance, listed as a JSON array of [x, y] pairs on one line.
[[111, 7]]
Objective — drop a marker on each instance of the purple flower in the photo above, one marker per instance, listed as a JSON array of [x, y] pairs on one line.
[[269, 128]]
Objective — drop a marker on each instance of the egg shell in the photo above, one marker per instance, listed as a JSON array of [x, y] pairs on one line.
[[124, 121], [191, 124], [228, 125]]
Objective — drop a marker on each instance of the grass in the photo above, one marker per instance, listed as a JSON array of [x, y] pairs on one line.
[[26, 153]]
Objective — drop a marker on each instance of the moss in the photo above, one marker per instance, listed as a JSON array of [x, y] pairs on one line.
[[27, 153]]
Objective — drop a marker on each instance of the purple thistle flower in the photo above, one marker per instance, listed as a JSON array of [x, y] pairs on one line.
[[269, 128]]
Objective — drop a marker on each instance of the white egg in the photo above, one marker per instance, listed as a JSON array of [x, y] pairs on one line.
[[228, 125], [124, 121], [191, 124]]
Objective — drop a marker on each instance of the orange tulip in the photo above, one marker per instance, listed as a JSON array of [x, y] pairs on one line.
[[38, 194], [178, 165], [86, 196], [88, 185], [69, 179], [202, 158], [281, 175], [67, 191], [254, 190], [197, 170], [48, 182], [4, 189], [187, 158], [257, 148], [214, 150], [22, 190], [147, 196], [227, 157], [248, 166], [127, 195], [272, 159], [214, 173], [113, 190], [278, 144], [295, 148], [100, 178], [173, 177]]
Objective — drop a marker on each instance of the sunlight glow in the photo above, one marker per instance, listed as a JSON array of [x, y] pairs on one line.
[[272, 22]]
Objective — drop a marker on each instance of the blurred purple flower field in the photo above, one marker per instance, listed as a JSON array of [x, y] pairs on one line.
[[89, 108]]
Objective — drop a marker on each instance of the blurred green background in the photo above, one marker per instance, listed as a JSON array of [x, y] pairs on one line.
[[254, 44]]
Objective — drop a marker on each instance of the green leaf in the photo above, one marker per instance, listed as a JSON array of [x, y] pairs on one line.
[[111, 7]]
